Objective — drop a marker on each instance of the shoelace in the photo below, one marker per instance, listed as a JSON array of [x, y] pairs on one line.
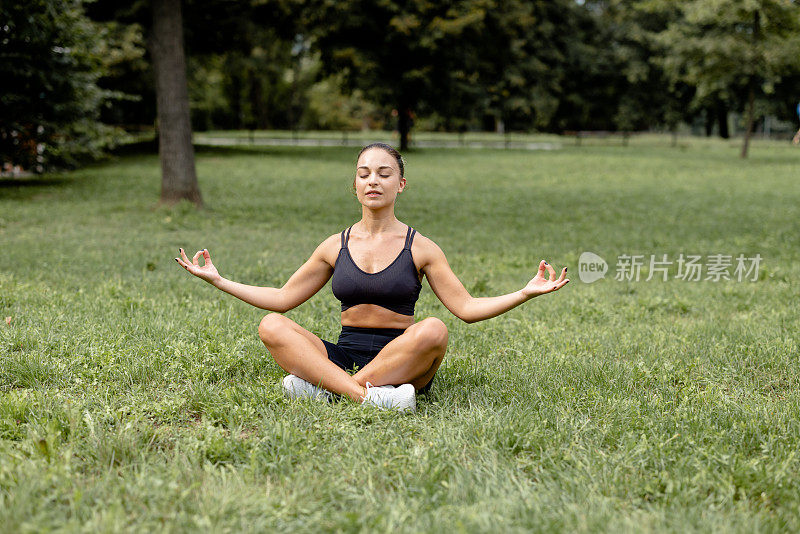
[[367, 387]]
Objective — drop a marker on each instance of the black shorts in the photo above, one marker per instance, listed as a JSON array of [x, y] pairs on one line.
[[358, 346]]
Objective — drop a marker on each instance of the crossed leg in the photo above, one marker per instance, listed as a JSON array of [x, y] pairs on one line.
[[413, 357]]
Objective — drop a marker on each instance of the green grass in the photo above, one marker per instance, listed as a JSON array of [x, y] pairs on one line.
[[133, 396]]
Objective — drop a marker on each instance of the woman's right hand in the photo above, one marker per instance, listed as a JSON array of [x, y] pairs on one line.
[[207, 272]]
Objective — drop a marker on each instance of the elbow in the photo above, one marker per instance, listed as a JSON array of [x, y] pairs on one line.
[[282, 305], [467, 319], [466, 314]]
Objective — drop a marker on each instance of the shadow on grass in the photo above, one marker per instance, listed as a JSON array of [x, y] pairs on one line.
[[33, 181], [150, 148]]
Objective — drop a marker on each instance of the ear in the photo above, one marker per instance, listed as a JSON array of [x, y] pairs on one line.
[[402, 185]]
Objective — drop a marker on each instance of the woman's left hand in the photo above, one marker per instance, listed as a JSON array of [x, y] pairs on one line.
[[541, 284]]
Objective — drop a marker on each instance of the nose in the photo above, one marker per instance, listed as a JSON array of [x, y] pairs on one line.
[[373, 178]]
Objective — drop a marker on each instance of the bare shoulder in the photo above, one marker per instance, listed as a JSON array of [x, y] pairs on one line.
[[328, 250], [425, 251]]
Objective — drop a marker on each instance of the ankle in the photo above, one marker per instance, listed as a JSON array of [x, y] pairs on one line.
[[358, 394]]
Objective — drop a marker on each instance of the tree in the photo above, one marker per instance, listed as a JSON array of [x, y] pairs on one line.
[[49, 98], [521, 50], [733, 50], [178, 175], [642, 96], [408, 55], [213, 29]]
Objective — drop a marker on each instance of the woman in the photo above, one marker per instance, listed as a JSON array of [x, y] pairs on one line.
[[375, 267]]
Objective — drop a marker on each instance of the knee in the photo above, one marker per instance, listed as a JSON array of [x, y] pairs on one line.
[[271, 327], [432, 333]]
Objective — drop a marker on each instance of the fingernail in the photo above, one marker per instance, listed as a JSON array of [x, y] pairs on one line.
[[565, 269], [546, 263]]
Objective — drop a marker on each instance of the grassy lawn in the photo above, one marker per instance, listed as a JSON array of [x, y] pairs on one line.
[[134, 396]]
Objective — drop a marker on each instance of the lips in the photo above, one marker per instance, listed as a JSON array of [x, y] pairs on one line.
[[373, 193]]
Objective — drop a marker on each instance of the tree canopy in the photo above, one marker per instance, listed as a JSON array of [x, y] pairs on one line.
[[733, 50], [70, 68], [50, 60]]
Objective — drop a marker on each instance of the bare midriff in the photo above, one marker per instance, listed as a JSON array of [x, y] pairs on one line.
[[374, 316]]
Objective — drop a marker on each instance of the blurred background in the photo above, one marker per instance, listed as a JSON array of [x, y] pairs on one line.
[[79, 77]]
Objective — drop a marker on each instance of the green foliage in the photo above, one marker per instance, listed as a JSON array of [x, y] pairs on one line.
[[50, 61], [725, 47], [135, 397], [328, 108], [462, 60], [521, 49], [126, 76], [397, 53], [624, 85]]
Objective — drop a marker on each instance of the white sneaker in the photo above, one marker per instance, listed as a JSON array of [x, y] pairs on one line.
[[402, 398], [297, 388]]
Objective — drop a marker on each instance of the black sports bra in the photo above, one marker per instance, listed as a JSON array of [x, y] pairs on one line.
[[395, 288]]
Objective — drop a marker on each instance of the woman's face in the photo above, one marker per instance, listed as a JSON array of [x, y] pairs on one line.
[[378, 180]]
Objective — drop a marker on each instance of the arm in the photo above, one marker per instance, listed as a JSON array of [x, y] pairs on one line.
[[301, 286], [449, 289]]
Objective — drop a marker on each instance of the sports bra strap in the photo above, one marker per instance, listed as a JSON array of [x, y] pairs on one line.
[[345, 238], [409, 238]]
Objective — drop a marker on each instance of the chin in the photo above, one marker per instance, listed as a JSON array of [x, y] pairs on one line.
[[376, 202]]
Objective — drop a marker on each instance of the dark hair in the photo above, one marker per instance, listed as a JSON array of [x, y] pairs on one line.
[[388, 148]]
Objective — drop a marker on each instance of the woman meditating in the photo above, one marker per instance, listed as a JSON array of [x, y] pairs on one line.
[[375, 268]]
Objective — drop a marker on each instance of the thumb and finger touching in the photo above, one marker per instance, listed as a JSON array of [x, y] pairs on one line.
[[193, 265], [557, 282]]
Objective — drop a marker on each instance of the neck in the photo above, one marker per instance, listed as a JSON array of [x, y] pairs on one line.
[[377, 221]]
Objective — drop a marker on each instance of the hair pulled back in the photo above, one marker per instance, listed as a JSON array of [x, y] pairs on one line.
[[392, 152]]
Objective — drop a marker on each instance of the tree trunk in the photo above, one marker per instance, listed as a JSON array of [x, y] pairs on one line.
[[178, 175], [722, 120], [237, 111], [751, 90], [748, 132], [258, 110], [709, 122], [403, 126]]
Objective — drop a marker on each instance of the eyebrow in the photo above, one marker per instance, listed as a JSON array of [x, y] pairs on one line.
[[379, 168]]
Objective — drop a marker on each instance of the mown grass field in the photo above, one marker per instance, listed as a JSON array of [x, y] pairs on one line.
[[136, 397]]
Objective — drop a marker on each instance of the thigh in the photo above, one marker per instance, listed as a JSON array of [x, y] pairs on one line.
[[419, 339], [313, 338], [411, 357]]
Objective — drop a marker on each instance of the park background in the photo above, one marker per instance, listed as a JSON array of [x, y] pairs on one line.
[[134, 397]]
